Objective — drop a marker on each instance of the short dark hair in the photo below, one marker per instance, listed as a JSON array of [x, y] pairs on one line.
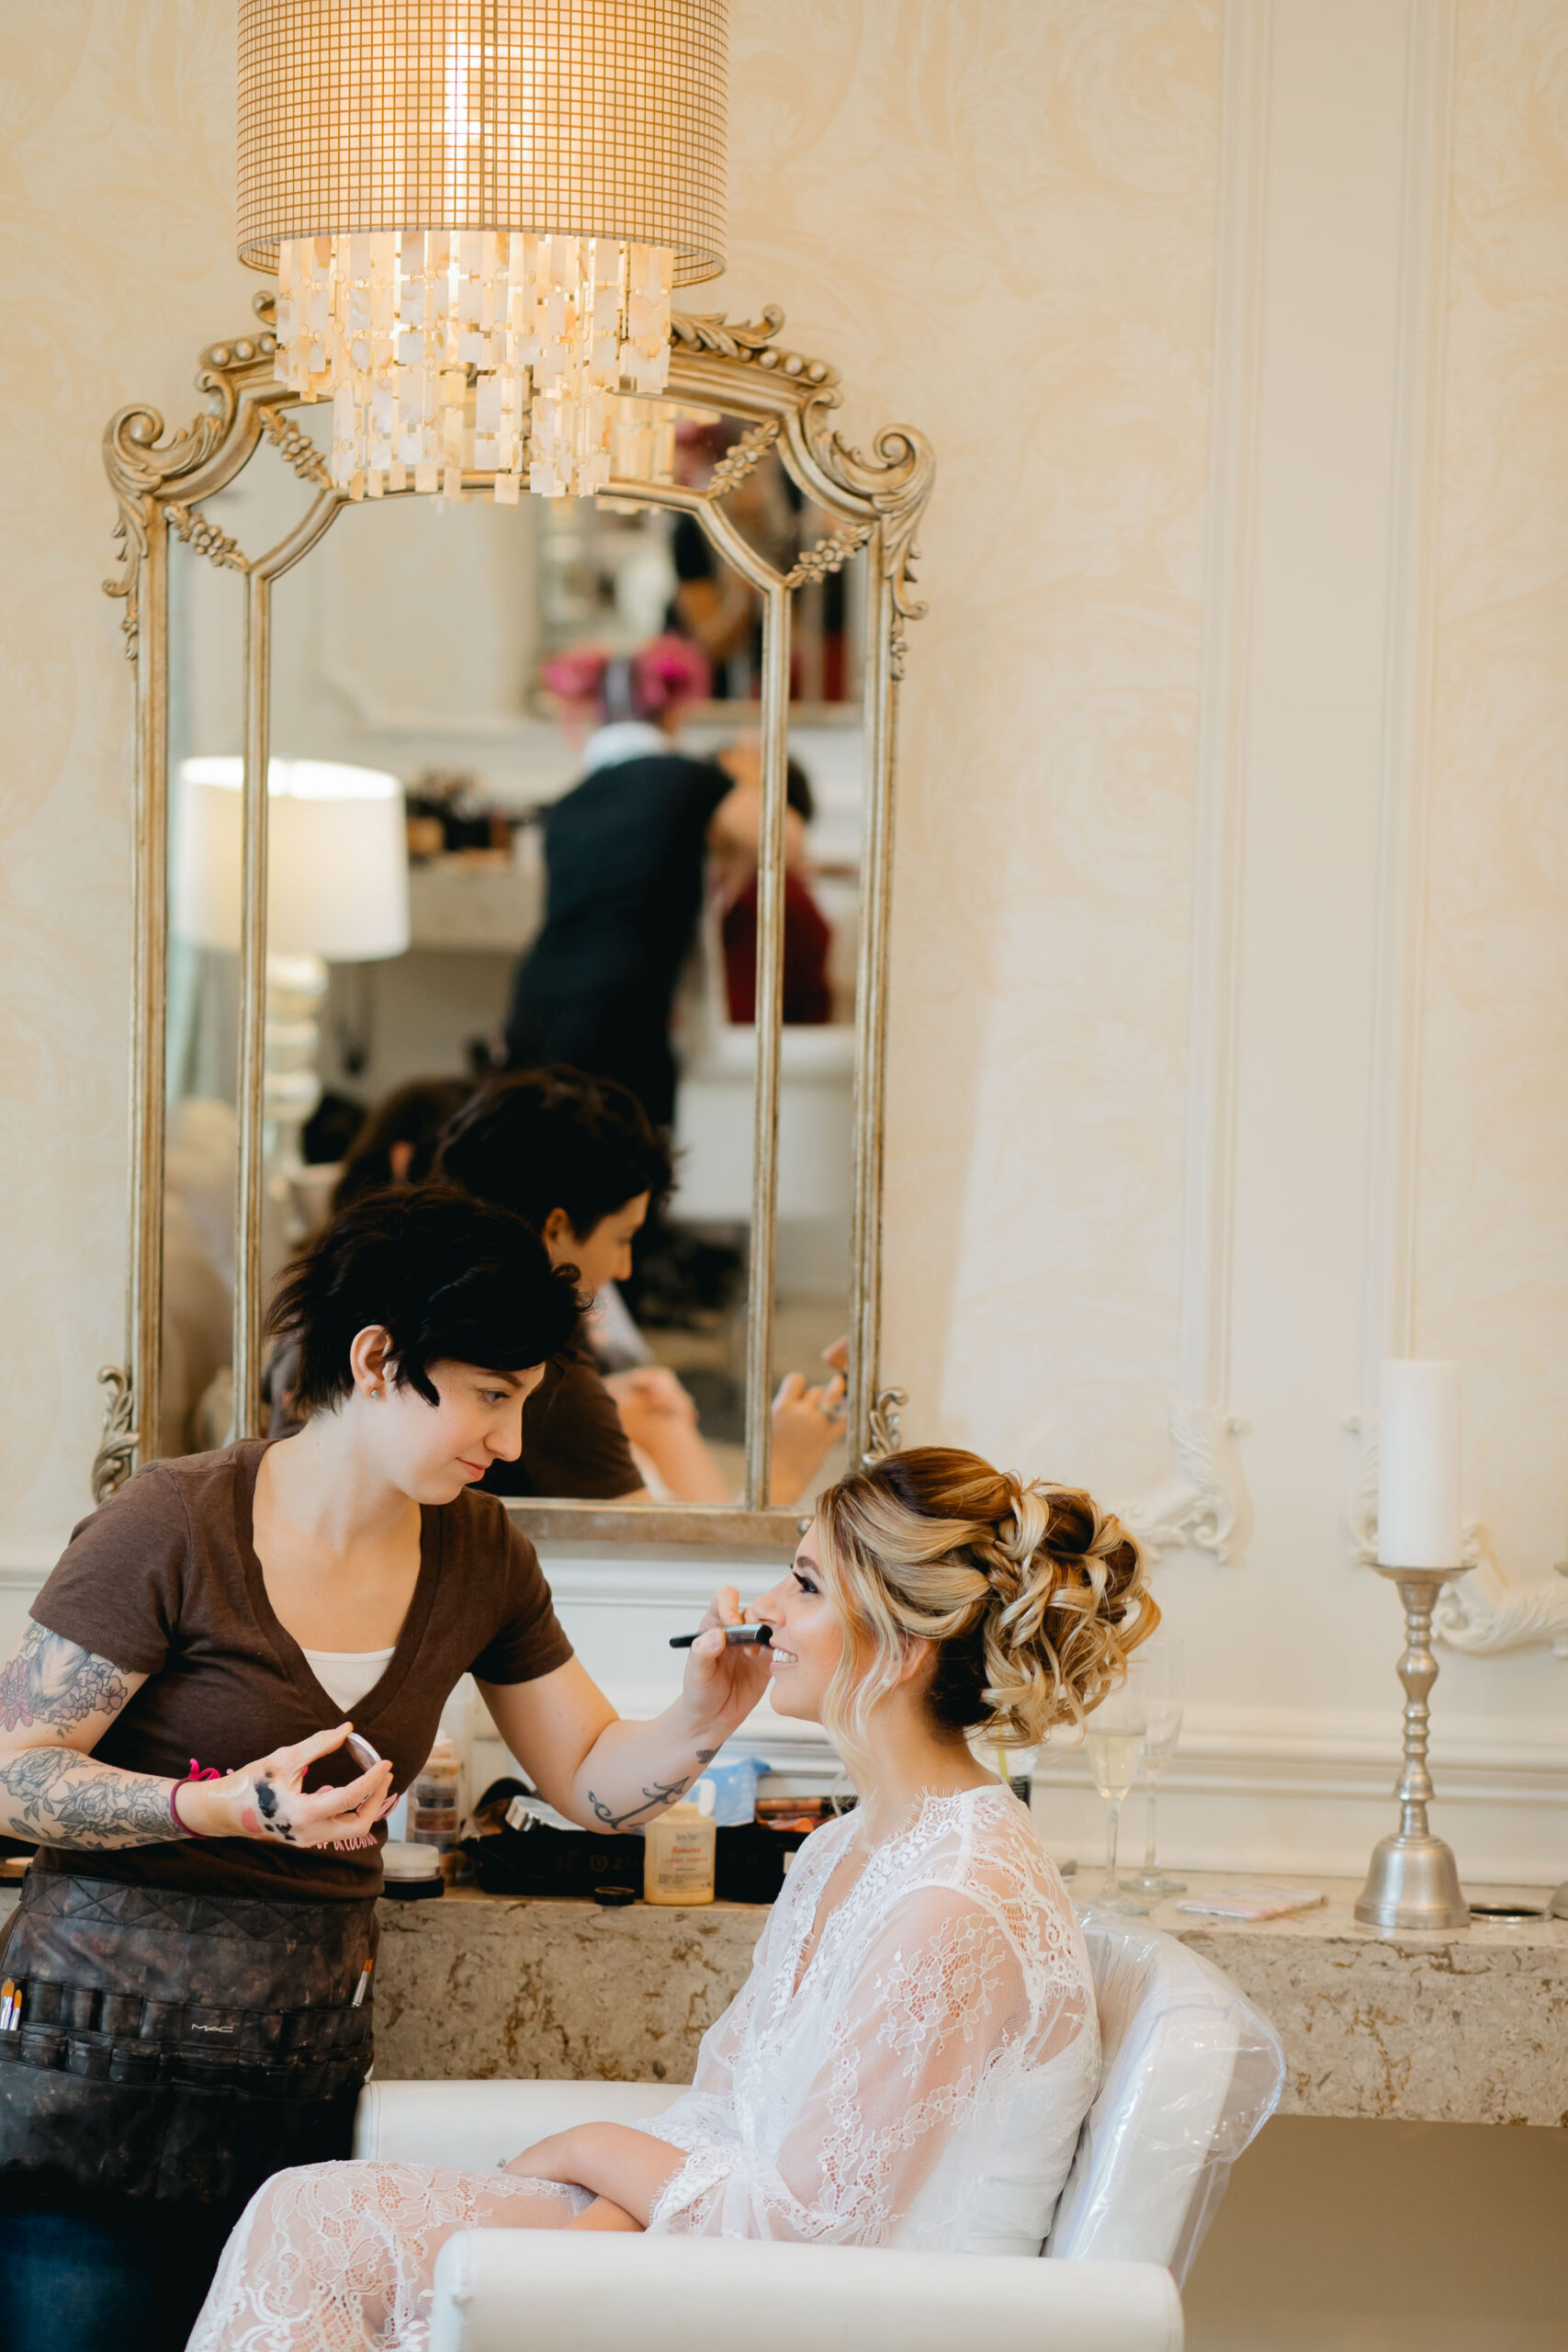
[[449, 1278], [555, 1139], [413, 1113]]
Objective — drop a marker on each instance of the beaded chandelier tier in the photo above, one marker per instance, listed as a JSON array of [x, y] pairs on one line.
[[477, 210]]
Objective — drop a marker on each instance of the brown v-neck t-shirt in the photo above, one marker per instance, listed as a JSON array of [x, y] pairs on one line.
[[165, 1581]]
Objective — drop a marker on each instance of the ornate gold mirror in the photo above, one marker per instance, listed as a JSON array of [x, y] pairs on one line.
[[346, 764]]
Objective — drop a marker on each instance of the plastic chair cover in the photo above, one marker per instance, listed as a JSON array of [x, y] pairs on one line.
[[1189, 2073]]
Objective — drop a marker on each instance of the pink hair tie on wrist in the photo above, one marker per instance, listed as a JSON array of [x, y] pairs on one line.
[[196, 1774]]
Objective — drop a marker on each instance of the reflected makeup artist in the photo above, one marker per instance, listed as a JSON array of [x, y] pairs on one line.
[[578, 1158]]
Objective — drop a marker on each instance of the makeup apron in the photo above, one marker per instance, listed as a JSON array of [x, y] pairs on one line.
[[178, 2046]]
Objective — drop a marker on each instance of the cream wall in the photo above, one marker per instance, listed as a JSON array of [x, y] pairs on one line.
[[1236, 335], [117, 176], [1229, 987], [1491, 1241]]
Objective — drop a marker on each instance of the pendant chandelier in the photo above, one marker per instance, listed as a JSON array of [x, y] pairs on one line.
[[477, 210]]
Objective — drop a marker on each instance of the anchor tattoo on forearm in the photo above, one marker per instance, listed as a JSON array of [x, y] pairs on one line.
[[654, 1799]]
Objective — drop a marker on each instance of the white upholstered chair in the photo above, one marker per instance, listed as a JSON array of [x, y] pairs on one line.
[[1189, 2072]]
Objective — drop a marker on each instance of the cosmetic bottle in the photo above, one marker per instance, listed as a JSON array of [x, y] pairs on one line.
[[678, 1851], [432, 1808]]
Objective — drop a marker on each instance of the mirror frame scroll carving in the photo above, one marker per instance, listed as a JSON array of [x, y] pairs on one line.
[[160, 480]]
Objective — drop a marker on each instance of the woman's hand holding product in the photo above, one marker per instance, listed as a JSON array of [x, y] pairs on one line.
[[268, 1799], [58, 1700]]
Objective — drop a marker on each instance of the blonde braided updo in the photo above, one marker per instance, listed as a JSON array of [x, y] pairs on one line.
[[1031, 1597]]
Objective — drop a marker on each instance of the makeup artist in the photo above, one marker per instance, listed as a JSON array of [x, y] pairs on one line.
[[191, 1960], [578, 1158]]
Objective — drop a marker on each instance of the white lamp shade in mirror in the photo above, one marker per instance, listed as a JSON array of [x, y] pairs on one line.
[[337, 859]]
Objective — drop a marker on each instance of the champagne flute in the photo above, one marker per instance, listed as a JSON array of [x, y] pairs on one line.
[[1114, 1745], [1155, 1677]]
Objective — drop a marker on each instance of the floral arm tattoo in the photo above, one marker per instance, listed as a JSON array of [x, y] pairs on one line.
[[54, 1682], [64, 1798], [49, 1791]]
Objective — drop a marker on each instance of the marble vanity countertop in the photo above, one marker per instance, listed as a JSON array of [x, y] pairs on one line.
[[1470, 2027], [1466, 2028], [484, 1984]]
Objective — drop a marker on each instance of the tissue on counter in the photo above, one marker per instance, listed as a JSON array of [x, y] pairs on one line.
[[1254, 1902]]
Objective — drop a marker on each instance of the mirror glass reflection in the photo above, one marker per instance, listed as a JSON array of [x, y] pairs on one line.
[[201, 1036], [514, 801]]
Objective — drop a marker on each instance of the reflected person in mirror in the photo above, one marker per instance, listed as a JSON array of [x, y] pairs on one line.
[[626, 857], [397, 1138], [578, 1158], [394, 1146], [807, 936]]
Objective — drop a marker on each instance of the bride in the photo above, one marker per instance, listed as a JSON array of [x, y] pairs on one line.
[[909, 2061]]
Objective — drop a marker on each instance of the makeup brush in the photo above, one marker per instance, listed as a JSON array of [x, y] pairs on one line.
[[734, 1635]]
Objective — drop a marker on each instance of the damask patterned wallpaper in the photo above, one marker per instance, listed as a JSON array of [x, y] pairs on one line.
[[1009, 218], [117, 194], [998, 218]]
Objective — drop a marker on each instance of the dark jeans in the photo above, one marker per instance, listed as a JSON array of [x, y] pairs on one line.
[[132, 2281]]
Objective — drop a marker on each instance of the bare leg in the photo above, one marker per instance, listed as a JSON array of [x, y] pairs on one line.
[[340, 2257]]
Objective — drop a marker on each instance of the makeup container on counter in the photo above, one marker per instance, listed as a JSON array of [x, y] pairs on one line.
[[410, 1873], [678, 1851], [433, 1800]]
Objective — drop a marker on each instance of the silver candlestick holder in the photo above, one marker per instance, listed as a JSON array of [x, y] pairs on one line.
[[1413, 1879]]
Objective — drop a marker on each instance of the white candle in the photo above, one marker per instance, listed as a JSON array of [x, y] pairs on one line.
[[1418, 1494]]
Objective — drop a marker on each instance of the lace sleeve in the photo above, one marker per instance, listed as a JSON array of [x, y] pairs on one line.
[[943, 2018]]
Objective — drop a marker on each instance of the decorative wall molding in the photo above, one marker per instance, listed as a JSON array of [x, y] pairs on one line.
[[1243, 1751], [1361, 1508], [886, 1423], [1227, 594], [1388, 1315], [116, 1447], [1202, 1508], [1483, 1612]]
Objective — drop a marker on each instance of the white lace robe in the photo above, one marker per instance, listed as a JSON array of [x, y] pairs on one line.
[[921, 2082]]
